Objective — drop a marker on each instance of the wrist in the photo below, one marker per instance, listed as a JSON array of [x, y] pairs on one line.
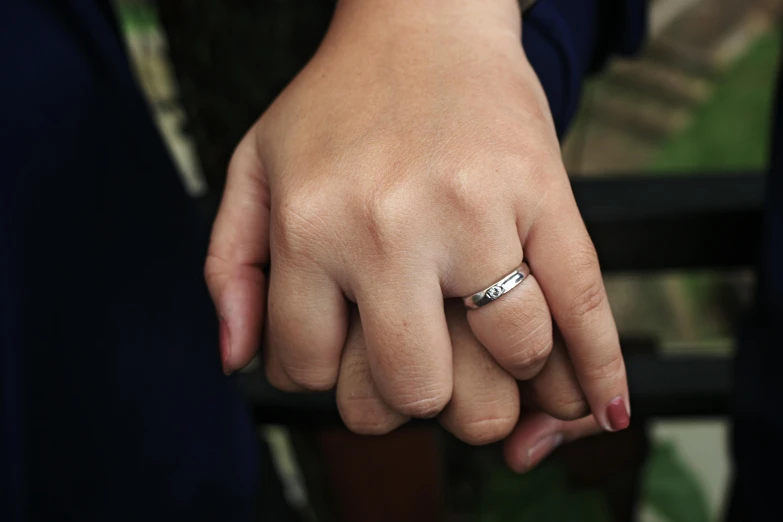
[[473, 20]]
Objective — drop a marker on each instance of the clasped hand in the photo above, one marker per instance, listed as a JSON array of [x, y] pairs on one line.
[[412, 162]]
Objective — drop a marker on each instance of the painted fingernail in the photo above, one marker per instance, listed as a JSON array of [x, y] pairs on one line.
[[225, 346], [543, 447], [617, 414]]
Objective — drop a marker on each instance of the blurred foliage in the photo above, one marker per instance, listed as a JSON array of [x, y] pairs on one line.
[[135, 15], [671, 489], [732, 130], [542, 494]]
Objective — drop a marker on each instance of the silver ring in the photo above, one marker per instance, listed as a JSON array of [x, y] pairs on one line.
[[493, 292]]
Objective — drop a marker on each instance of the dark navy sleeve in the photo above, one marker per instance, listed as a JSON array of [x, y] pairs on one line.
[[112, 401], [566, 40]]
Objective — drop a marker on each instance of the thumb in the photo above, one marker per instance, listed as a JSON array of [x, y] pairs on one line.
[[238, 253], [538, 434]]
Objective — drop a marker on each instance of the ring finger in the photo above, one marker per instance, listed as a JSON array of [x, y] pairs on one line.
[[517, 328]]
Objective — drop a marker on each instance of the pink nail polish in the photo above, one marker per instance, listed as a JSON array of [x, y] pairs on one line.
[[617, 414], [541, 449], [225, 346]]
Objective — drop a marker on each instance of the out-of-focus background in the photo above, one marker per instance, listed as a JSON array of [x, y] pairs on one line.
[[696, 100]]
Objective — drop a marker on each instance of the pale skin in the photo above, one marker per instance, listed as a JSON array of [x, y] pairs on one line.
[[413, 161]]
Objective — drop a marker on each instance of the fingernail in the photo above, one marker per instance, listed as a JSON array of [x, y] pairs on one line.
[[225, 346], [543, 447], [617, 414]]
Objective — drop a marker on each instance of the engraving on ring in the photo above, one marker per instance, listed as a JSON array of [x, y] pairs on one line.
[[493, 292]]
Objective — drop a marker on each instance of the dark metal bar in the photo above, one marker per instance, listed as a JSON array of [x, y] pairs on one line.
[[690, 386], [672, 221], [659, 386]]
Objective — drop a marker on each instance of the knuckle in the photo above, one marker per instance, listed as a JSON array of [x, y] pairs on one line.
[[278, 380], [590, 297], [566, 406], [385, 212], [480, 431], [424, 405], [530, 354], [583, 256], [299, 221], [460, 189], [214, 269], [366, 415], [311, 376]]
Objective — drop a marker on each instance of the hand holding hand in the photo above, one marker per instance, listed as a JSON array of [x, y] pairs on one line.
[[413, 160]]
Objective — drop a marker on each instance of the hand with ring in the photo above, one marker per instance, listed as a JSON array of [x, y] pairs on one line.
[[412, 161]]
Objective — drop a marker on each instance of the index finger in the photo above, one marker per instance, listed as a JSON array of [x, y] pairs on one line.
[[562, 256], [238, 253]]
